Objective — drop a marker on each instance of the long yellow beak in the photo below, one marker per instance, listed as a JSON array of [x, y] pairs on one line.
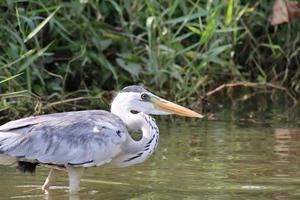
[[173, 108]]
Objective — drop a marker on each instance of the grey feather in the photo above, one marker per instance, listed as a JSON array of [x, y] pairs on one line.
[[85, 138], [134, 88]]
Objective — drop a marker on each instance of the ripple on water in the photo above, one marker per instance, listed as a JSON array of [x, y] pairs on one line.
[[213, 160]]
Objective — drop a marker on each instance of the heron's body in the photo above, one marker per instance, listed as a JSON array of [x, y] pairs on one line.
[[81, 139]]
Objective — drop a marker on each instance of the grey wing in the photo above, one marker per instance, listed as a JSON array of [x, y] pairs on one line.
[[83, 138]]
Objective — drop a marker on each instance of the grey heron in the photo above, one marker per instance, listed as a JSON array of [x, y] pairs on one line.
[[73, 141]]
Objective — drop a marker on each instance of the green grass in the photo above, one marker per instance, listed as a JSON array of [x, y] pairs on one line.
[[58, 55]]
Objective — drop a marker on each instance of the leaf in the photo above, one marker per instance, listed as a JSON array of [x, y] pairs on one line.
[[131, 67], [187, 18], [101, 60], [194, 29], [31, 59], [285, 11], [228, 18], [218, 50], [293, 10], [210, 29], [104, 44], [280, 13], [28, 53], [149, 26], [41, 25]]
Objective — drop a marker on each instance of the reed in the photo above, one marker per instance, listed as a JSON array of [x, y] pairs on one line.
[[58, 55]]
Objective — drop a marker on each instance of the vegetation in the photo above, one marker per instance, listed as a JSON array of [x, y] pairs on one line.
[[63, 55]]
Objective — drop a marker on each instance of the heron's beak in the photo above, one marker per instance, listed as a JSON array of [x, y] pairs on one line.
[[173, 108]]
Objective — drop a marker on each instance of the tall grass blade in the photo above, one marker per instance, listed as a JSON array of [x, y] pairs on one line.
[[28, 53], [188, 18], [41, 25], [14, 94], [210, 28], [229, 12], [38, 53], [9, 78]]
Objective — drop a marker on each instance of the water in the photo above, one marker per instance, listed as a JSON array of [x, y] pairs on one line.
[[205, 160]]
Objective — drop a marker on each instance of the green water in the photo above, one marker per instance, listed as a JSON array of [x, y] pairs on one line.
[[211, 160]]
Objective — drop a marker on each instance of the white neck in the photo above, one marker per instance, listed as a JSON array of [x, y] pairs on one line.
[[136, 151]]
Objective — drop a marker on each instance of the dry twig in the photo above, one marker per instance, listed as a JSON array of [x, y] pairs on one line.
[[254, 85], [66, 101]]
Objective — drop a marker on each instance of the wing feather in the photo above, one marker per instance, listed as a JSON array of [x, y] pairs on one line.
[[83, 138]]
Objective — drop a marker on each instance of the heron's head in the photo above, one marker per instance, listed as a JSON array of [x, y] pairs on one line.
[[137, 99]]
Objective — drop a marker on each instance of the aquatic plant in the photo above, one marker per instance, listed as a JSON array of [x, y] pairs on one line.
[[71, 55]]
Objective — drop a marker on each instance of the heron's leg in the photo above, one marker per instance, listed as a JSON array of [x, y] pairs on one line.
[[75, 174], [53, 174]]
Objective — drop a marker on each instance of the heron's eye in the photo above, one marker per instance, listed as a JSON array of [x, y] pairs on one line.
[[144, 96]]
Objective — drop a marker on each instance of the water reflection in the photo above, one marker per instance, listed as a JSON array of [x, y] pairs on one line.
[[286, 142], [286, 148], [52, 195]]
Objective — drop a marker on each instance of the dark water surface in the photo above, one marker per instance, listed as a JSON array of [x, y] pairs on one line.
[[212, 160]]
